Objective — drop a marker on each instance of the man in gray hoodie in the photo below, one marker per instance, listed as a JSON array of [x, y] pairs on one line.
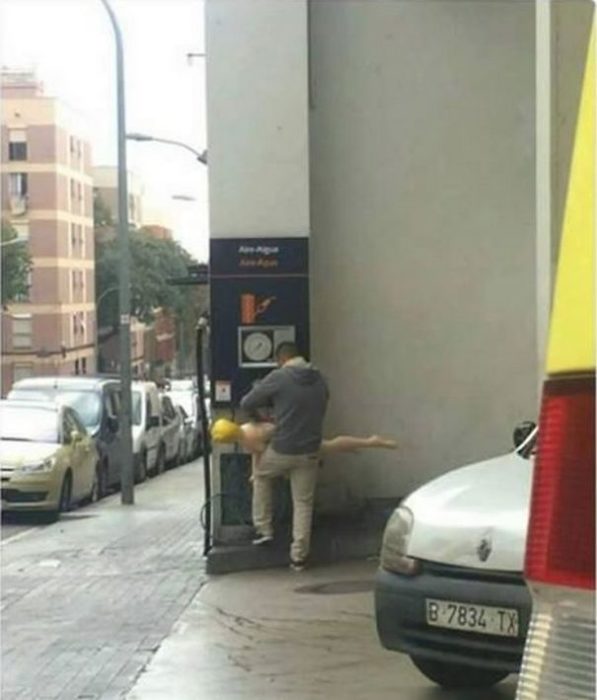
[[298, 395]]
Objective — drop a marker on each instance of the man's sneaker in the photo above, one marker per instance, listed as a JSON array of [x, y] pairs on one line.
[[298, 565], [262, 540]]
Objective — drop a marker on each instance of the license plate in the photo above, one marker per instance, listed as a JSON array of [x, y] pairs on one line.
[[482, 619]]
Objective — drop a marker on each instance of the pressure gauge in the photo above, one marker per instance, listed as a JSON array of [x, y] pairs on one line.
[[258, 347]]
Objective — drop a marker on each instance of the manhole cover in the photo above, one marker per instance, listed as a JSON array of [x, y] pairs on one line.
[[337, 588]]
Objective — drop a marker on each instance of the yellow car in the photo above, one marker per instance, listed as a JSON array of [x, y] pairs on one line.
[[47, 459]]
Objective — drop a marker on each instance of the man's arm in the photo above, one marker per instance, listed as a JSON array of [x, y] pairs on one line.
[[260, 396]]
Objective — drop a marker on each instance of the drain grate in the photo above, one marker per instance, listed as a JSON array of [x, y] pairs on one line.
[[337, 588]]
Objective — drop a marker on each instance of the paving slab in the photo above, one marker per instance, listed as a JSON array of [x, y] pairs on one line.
[[87, 601]]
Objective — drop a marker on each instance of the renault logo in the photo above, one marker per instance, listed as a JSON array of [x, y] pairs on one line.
[[484, 549]]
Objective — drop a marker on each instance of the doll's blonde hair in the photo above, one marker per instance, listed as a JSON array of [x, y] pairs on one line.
[[225, 431]]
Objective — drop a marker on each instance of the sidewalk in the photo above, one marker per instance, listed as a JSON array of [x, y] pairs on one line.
[[276, 634], [87, 601], [113, 602]]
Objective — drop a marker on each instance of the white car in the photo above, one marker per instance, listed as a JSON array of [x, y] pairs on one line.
[[188, 400], [188, 435], [148, 448], [450, 590], [171, 432]]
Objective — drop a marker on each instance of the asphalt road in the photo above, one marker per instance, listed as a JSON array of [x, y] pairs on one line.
[[14, 527]]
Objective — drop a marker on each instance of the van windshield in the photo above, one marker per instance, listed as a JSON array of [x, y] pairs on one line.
[[86, 403]]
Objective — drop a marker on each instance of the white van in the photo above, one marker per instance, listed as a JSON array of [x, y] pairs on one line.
[[148, 448]]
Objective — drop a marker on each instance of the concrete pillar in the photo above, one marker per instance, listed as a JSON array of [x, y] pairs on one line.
[[257, 79]]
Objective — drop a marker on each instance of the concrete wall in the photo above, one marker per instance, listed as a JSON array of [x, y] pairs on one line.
[[570, 34], [420, 124], [423, 238], [258, 118]]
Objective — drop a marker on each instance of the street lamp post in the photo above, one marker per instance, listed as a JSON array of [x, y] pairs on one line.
[[201, 156], [124, 294]]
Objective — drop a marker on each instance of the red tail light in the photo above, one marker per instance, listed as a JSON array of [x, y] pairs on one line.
[[561, 536]]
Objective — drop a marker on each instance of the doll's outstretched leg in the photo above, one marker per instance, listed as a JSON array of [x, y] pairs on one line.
[[350, 443], [378, 441]]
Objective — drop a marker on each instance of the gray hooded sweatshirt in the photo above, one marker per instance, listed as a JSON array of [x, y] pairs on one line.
[[298, 395]]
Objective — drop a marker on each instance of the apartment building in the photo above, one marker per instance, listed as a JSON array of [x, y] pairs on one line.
[[47, 198], [105, 184]]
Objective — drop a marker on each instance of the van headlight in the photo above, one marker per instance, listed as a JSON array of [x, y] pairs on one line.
[[395, 543], [39, 467]]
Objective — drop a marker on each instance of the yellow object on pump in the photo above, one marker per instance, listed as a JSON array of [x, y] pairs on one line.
[[225, 431]]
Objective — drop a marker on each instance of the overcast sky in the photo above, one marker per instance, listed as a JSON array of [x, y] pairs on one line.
[[70, 44]]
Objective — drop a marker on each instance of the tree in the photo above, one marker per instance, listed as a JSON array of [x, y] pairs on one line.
[[16, 265], [102, 214], [153, 262]]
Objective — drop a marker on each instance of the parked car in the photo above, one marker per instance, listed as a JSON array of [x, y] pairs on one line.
[[148, 447], [47, 459], [188, 434], [171, 431], [96, 401], [187, 399], [185, 385], [449, 591], [559, 657]]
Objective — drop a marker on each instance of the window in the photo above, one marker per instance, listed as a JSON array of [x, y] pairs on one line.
[[21, 422], [70, 424], [21, 331], [21, 372], [136, 408], [78, 423], [22, 229], [77, 367], [17, 144], [25, 295], [84, 365], [17, 184], [109, 406]]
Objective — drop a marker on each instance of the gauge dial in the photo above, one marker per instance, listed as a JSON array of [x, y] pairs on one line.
[[258, 347]]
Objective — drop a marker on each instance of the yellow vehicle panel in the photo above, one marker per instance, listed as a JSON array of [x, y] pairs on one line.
[[572, 334]]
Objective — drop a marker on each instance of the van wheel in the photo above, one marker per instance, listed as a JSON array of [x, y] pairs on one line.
[[142, 469], [160, 464], [453, 676]]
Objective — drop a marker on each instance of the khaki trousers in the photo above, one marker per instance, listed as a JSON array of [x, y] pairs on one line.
[[302, 472]]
